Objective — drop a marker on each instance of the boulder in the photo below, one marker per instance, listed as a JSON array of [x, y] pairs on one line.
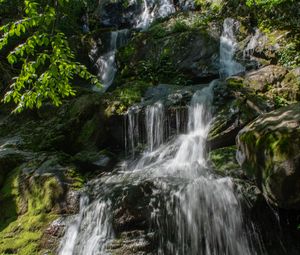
[[171, 52], [260, 79], [269, 151], [10, 157], [234, 107]]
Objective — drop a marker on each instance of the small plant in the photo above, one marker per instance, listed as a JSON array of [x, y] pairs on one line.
[[280, 101], [158, 31], [179, 27]]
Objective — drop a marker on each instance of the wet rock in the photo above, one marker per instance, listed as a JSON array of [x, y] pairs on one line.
[[52, 235], [224, 162], [268, 149], [132, 210], [132, 242]]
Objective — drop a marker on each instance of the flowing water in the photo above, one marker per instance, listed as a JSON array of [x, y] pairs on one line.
[[195, 212], [90, 230], [152, 10], [105, 63], [228, 45]]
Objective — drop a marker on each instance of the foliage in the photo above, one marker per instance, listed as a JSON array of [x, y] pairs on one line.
[[280, 101], [289, 55], [268, 3], [47, 63], [179, 26]]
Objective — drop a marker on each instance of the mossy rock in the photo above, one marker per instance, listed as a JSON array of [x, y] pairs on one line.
[[235, 106], [33, 195], [268, 150], [120, 99], [224, 162], [177, 51]]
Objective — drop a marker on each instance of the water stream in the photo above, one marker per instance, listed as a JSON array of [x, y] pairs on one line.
[[105, 63], [195, 211], [228, 45]]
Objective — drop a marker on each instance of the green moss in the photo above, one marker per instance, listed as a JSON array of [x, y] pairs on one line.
[[43, 194], [75, 178], [26, 205], [121, 98], [88, 130], [179, 26], [223, 160], [235, 83], [158, 31], [23, 235]]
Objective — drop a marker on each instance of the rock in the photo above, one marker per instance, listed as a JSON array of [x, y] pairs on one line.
[[235, 106], [223, 161], [171, 52], [131, 209], [269, 151], [288, 89], [260, 79], [9, 159], [132, 242], [93, 160]]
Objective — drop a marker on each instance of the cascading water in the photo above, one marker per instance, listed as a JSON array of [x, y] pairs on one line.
[[154, 125], [199, 213], [160, 9], [105, 63], [228, 44], [90, 231], [145, 18], [195, 212]]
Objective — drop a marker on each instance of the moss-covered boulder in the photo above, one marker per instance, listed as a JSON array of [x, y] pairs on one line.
[[178, 50], [269, 151], [33, 195]]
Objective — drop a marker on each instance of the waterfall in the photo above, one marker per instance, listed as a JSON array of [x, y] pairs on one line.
[[160, 9], [228, 45], [90, 231], [200, 213], [145, 18], [105, 63], [133, 135], [154, 119], [194, 211]]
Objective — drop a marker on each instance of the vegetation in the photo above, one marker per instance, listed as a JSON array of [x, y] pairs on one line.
[[40, 51]]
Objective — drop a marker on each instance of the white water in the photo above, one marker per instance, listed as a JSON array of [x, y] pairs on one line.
[[154, 119], [228, 46], [159, 9], [200, 213], [105, 63], [195, 212], [90, 231]]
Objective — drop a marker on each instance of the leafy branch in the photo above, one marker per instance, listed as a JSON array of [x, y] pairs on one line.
[[47, 62]]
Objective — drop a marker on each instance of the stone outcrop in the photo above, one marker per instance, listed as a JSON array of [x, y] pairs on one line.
[[268, 150]]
